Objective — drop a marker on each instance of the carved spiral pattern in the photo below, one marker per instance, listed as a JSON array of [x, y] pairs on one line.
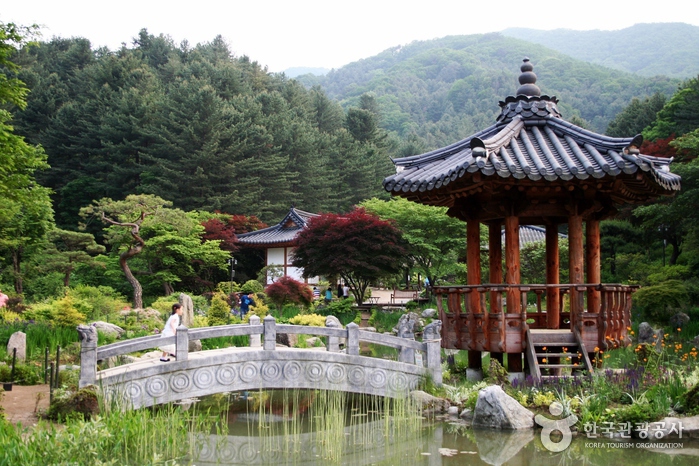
[[156, 387], [398, 382], [377, 379], [180, 382], [271, 456], [133, 391], [292, 371], [225, 375], [314, 371], [226, 453], [203, 378], [247, 453], [357, 376], [271, 371], [248, 372], [336, 373]]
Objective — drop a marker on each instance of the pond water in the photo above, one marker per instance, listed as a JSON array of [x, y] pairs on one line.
[[272, 437]]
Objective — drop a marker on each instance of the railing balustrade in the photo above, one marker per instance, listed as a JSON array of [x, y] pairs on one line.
[[267, 331], [489, 327]]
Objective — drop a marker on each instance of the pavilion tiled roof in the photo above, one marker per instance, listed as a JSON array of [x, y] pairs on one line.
[[283, 232], [530, 140]]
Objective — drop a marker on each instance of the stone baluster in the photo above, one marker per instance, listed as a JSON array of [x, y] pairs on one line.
[[88, 355], [255, 340], [270, 343], [407, 354], [333, 342], [353, 339], [433, 340], [182, 343]]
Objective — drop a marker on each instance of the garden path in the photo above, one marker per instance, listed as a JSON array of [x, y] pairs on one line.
[[20, 404]]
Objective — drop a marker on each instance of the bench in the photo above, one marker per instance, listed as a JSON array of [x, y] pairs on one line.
[[404, 294]]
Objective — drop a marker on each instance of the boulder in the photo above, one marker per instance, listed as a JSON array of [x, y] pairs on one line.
[[466, 414], [18, 340], [679, 320], [187, 310], [453, 411], [288, 339], [194, 345], [495, 409], [409, 324], [429, 313], [430, 404], [314, 342], [647, 335], [108, 329], [332, 321]]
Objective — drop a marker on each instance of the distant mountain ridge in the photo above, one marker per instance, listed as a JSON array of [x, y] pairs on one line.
[[446, 89], [647, 49]]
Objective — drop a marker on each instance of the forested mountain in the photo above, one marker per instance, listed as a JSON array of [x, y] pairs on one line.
[[669, 49], [193, 125], [442, 90]]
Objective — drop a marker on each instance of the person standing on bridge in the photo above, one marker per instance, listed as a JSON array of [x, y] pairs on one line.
[[170, 330]]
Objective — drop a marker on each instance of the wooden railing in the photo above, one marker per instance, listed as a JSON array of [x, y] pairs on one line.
[[475, 317]]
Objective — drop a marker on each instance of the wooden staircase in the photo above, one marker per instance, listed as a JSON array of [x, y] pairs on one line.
[[555, 351]]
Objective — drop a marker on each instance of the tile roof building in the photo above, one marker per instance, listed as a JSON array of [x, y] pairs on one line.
[[531, 167], [278, 243]]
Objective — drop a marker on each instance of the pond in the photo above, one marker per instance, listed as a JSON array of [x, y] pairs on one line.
[[369, 434]]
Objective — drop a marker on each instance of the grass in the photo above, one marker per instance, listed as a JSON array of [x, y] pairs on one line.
[[39, 337], [145, 437]]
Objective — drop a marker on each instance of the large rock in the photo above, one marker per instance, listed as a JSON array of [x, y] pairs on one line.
[[288, 339], [495, 409], [429, 313], [679, 320], [108, 329], [187, 310], [18, 340], [647, 335], [430, 404], [409, 323]]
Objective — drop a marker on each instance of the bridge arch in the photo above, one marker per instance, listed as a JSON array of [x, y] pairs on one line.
[[260, 366]]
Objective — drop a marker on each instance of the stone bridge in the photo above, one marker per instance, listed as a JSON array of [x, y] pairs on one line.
[[262, 365]]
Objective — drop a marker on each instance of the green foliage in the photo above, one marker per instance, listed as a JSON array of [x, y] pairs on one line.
[[219, 311], [66, 314], [251, 286], [384, 321], [658, 303], [496, 374], [25, 374], [435, 240], [343, 309], [678, 116], [97, 302], [636, 116], [313, 320], [82, 403]]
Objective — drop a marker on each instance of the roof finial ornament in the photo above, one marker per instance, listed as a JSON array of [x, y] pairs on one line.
[[528, 80]]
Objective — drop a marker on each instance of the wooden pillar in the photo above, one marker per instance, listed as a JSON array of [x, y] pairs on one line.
[[577, 258], [495, 272], [592, 245], [495, 264], [514, 305], [473, 263], [553, 301], [512, 263]]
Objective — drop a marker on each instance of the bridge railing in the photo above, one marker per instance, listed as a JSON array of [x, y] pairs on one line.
[[264, 336]]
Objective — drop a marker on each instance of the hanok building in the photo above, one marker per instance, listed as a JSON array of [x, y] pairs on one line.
[[278, 243], [534, 168]]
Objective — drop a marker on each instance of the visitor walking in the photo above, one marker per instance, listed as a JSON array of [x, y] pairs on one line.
[[245, 302], [329, 295], [3, 299], [345, 291], [170, 330]]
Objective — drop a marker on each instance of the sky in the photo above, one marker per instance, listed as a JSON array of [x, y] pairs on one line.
[[325, 34]]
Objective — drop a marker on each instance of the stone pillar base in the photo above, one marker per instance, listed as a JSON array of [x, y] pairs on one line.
[[474, 375]]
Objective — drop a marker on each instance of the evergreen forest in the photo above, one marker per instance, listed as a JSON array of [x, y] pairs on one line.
[[159, 153]]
